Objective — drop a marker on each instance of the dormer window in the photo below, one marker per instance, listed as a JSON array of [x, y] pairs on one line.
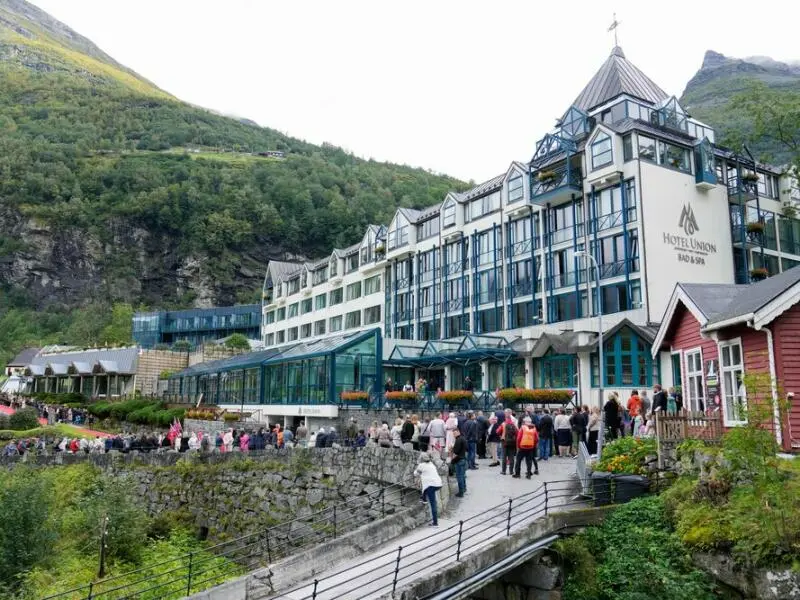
[[334, 267], [449, 214], [352, 262], [601, 151], [515, 188]]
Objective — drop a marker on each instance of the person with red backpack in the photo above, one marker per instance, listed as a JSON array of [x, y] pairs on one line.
[[527, 440], [508, 438]]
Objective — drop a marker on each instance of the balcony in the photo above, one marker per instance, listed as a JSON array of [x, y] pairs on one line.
[[611, 220], [744, 191], [555, 184], [524, 247]]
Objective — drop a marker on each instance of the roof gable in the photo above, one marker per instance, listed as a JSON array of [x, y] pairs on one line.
[[615, 77]]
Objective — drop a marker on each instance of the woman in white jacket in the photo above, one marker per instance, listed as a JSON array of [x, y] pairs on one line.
[[430, 483]]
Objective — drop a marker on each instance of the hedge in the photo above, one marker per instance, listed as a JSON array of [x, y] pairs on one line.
[[455, 396], [138, 411], [525, 396]]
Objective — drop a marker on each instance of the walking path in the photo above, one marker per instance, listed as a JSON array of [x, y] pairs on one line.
[[372, 575], [79, 431]]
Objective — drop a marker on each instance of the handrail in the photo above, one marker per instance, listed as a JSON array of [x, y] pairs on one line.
[[187, 574]]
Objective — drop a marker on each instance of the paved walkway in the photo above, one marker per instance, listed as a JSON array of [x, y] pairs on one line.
[[79, 431], [427, 548]]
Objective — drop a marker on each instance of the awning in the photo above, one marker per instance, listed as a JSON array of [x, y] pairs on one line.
[[80, 368], [56, 369], [106, 366], [461, 351]]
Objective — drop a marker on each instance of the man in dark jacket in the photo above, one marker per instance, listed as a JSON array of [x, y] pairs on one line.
[[483, 429], [545, 434], [659, 399], [611, 414], [470, 431], [459, 461], [321, 438], [407, 431]]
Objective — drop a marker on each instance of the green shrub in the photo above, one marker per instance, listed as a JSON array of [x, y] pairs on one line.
[[627, 455], [3, 421], [101, 410], [25, 418]]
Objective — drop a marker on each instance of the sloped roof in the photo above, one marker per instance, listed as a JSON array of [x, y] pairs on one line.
[[24, 357], [125, 360], [281, 269], [712, 299], [482, 188], [756, 296], [561, 343], [646, 332], [628, 124], [618, 76]]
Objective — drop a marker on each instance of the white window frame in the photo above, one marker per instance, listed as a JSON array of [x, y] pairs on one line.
[[739, 393], [690, 401]]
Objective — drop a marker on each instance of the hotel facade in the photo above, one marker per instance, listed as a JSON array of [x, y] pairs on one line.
[[494, 283]]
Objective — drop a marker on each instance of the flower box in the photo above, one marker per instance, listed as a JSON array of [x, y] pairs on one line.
[[759, 273], [455, 396], [402, 396], [526, 396], [356, 396], [380, 249], [750, 177], [755, 227], [546, 176]]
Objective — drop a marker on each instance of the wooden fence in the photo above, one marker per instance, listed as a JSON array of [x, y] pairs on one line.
[[674, 428]]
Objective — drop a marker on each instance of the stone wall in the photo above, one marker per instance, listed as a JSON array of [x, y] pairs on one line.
[[227, 495]]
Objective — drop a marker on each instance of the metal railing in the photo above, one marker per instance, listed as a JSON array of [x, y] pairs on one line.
[[385, 573], [198, 571]]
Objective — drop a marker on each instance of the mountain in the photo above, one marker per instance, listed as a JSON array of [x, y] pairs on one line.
[[710, 93], [113, 191]]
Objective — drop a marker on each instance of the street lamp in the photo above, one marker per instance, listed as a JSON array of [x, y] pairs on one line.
[[588, 256]]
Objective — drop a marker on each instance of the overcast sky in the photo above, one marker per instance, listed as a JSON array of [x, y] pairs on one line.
[[460, 87]]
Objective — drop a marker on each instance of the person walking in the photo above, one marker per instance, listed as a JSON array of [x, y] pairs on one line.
[[594, 429], [470, 430], [438, 435], [458, 458], [527, 440], [545, 435], [493, 441], [430, 482], [508, 437]]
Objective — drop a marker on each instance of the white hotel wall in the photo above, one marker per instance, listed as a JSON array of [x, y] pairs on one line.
[[664, 194]]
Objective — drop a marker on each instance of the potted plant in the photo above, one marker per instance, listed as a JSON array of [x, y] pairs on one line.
[[789, 210], [750, 178], [546, 176], [759, 273], [525, 396], [380, 249], [755, 227], [354, 396], [401, 396], [455, 396]]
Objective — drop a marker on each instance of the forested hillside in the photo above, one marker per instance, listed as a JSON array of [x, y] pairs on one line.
[[112, 191]]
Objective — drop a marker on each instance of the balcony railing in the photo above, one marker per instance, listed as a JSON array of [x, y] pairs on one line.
[[455, 267], [616, 269], [404, 282], [567, 279], [611, 220], [548, 179], [525, 246], [524, 288]]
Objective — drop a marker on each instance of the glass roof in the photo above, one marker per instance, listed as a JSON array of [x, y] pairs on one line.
[[457, 351]]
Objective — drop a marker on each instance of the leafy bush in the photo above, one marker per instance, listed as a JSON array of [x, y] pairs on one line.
[[525, 396], [230, 417], [634, 554], [402, 396], [3, 421], [201, 415], [627, 455], [25, 418], [101, 410], [237, 341], [355, 396]]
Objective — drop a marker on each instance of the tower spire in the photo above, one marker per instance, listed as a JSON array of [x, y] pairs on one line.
[[613, 27]]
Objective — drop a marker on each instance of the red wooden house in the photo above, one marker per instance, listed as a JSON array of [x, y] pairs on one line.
[[718, 332]]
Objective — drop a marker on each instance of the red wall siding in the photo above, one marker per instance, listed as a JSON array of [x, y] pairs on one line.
[[686, 336], [786, 331]]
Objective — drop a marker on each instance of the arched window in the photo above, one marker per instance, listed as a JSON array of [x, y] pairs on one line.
[[628, 362], [601, 151]]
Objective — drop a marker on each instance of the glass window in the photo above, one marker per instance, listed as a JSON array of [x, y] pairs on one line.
[[334, 266], [293, 310], [280, 337], [319, 327], [449, 214], [270, 339], [269, 318], [354, 290], [294, 285], [515, 188], [306, 306], [280, 314], [372, 315], [674, 156], [320, 301], [398, 237], [351, 262], [372, 285], [352, 319], [336, 297], [601, 151], [732, 371], [292, 334], [627, 147], [305, 330], [629, 362], [484, 206], [558, 370], [428, 228], [647, 148], [695, 390], [336, 324], [320, 276]]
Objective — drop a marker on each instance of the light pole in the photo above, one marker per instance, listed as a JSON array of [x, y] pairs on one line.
[[601, 364]]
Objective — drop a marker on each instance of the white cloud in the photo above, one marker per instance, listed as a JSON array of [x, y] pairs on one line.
[[461, 87]]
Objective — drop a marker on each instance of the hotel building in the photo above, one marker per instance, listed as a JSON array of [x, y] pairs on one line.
[[495, 283]]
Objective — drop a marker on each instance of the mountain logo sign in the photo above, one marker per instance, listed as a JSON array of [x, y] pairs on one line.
[[687, 221]]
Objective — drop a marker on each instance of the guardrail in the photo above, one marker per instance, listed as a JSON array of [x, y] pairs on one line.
[[191, 573], [385, 573]]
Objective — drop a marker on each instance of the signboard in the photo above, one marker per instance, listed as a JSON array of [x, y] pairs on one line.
[[712, 382], [688, 248]]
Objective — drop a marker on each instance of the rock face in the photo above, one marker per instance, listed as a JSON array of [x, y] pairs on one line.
[[762, 584]]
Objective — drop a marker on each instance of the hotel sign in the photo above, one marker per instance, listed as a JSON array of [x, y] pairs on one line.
[[687, 247]]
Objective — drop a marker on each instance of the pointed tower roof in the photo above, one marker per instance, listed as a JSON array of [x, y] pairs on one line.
[[618, 76]]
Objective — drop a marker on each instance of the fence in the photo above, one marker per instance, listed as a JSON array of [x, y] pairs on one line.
[[199, 571], [674, 428], [383, 574]]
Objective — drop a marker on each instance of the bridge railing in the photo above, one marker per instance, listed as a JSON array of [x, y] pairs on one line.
[[383, 574], [198, 571]]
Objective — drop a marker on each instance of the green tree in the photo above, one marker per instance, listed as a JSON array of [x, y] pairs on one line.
[[237, 341], [118, 331]]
